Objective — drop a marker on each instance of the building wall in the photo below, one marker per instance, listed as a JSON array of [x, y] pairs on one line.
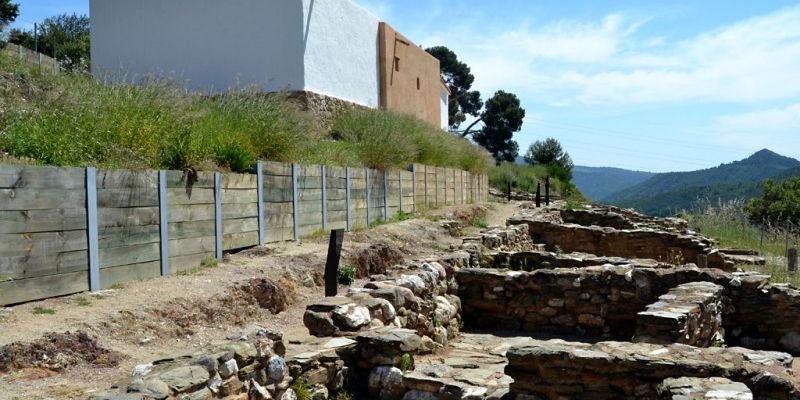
[[410, 80], [444, 111], [210, 44], [340, 51]]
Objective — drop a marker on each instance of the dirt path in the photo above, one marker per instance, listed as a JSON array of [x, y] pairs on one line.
[[148, 319]]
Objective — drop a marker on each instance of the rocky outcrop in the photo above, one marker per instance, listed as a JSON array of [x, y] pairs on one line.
[[557, 369], [690, 313]]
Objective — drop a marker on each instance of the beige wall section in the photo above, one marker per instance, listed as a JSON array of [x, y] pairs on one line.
[[410, 81]]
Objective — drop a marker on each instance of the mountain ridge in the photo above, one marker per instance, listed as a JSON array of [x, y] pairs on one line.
[[665, 193]]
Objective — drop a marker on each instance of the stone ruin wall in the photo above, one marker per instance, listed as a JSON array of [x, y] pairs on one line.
[[368, 337]]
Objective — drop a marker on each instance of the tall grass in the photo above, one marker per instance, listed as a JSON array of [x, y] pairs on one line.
[[74, 120], [728, 223], [384, 139]]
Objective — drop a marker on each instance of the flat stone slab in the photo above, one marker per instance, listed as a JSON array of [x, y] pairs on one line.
[[703, 388], [623, 370]]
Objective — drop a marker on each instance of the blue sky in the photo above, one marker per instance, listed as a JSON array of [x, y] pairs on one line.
[[656, 85]]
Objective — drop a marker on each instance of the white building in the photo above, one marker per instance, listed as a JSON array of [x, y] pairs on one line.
[[329, 47]]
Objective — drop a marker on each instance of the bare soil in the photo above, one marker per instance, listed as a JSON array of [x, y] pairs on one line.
[[149, 319]]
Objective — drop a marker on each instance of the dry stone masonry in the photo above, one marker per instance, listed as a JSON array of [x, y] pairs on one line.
[[462, 326], [557, 369], [690, 313]]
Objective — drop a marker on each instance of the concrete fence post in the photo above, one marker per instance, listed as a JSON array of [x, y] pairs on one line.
[[414, 187], [21, 53], [348, 222], [400, 187], [218, 213], [91, 229], [295, 203], [436, 187], [425, 173], [163, 221], [385, 196], [324, 198], [368, 193], [260, 193]]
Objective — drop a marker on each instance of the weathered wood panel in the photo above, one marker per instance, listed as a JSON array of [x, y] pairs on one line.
[[22, 290], [49, 178]]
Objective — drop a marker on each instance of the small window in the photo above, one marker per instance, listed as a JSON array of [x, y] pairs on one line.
[[397, 63], [418, 85]]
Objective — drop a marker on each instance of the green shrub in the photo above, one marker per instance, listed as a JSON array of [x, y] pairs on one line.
[[479, 221], [406, 362], [235, 156], [346, 274], [43, 311]]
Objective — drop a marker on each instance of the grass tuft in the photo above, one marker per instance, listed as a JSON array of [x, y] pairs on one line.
[[43, 311]]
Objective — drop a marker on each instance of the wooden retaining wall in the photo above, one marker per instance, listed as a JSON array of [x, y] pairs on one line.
[[68, 230]]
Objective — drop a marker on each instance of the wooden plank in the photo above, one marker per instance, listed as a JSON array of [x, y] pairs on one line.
[[191, 229], [275, 234], [30, 221], [133, 254], [191, 212], [277, 168], [183, 247], [239, 181], [21, 267], [188, 180], [42, 243], [16, 176], [124, 198], [131, 272], [128, 235], [234, 211], [239, 196], [240, 225], [273, 194], [38, 199], [127, 179], [178, 196], [23, 290], [233, 241], [133, 216]]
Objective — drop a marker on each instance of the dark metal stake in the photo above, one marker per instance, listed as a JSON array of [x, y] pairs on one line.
[[538, 194], [509, 191], [547, 191], [332, 264], [792, 259]]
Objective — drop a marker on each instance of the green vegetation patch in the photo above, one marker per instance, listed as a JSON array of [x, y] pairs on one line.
[[73, 119]]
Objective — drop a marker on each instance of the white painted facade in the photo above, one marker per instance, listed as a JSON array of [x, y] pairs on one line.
[[444, 110], [324, 46]]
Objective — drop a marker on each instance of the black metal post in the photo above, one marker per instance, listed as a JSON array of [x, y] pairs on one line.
[[332, 264], [792, 254], [508, 192], [547, 191], [538, 194]]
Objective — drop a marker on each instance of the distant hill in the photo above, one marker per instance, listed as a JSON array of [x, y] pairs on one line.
[[663, 194], [598, 182]]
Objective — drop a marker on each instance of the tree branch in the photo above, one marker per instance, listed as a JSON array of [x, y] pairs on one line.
[[467, 131]]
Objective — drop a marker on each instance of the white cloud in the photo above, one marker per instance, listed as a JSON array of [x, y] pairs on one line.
[[609, 61], [786, 119]]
